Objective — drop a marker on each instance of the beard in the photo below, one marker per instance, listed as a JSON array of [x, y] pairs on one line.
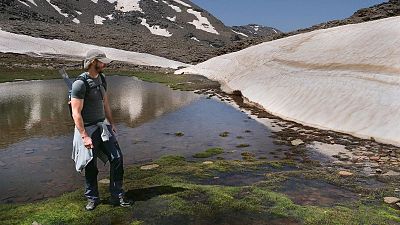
[[98, 68]]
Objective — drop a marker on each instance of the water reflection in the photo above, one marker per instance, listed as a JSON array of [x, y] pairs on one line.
[[36, 132], [38, 108]]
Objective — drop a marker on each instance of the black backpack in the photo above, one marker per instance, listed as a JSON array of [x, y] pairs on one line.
[[84, 79]]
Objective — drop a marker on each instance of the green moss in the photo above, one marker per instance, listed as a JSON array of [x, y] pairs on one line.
[[7, 74], [179, 134], [224, 134], [209, 153], [248, 156], [242, 145], [181, 82], [168, 194]]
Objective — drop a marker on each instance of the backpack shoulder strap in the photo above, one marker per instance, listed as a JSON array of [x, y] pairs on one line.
[[83, 77], [103, 81]]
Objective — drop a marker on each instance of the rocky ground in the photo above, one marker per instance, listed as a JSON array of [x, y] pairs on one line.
[[317, 177]]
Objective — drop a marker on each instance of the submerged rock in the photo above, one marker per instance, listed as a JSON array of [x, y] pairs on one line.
[[149, 167], [391, 200], [297, 142], [345, 173]]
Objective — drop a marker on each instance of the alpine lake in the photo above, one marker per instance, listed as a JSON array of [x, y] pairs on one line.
[[192, 155]]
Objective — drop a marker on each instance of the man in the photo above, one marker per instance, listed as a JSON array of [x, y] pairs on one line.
[[95, 129]]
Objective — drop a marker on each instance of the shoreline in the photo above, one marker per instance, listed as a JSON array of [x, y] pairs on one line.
[[176, 172]]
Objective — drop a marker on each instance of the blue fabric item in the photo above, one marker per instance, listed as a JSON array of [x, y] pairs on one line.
[[80, 154]]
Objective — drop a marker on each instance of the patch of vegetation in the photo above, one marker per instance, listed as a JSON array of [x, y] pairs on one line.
[[242, 145], [209, 153], [179, 134], [248, 156], [166, 195], [224, 134], [176, 82]]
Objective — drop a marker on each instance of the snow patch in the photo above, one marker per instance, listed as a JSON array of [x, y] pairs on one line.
[[95, 1], [171, 18], [344, 78], [24, 3], [202, 23], [183, 3], [78, 12], [58, 9], [23, 44], [98, 19], [195, 39], [75, 20], [237, 32], [176, 8], [33, 2], [156, 29], [110, 17], [128, 6]]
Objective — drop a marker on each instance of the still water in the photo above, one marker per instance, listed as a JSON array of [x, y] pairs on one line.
[[36, 132]]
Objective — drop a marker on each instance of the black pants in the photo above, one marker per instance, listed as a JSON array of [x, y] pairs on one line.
[[114, 154]]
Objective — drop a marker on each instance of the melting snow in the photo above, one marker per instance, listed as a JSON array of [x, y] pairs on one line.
[[75, 20], [201, 23], [176, 8], [79, 13], [156, 29], [195, 39], [23, 44], [128, 6], [344, 78], [237, 32], [58, 9], [98, 19], [171, 18], [33, 2], [24, 3], [183, 3], [110, 17]]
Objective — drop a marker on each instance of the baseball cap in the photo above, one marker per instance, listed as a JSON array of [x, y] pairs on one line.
[[93, 54]]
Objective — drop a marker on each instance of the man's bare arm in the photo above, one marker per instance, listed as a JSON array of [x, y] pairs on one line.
[[107, 109], [77, 105]]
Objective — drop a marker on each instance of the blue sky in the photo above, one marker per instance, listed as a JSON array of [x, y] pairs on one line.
[[286, 15]]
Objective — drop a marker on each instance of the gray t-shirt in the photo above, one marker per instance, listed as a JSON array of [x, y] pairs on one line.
[[93, 105]]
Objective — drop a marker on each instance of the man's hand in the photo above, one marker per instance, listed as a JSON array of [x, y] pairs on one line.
[[114, 129], [88, 142]]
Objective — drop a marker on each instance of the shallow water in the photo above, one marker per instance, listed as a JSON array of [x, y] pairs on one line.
[[36, 132]]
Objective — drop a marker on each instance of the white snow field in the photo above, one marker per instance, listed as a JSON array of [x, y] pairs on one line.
[[23, 44], [345, 78], [156, 29]]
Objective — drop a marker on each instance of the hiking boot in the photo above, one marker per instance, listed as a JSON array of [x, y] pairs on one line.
[[91, 204], [121, 201]]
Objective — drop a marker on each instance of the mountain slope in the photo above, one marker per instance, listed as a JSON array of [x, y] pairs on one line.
[[344, 78], [176, 29]]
